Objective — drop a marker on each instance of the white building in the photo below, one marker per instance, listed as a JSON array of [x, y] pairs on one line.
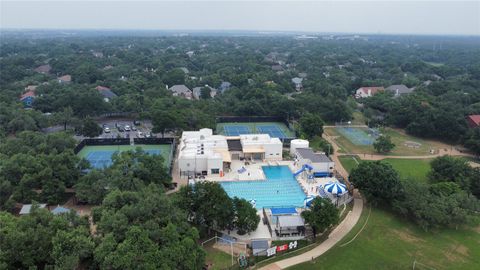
[[261, 146], [201, 152], [322, 165], [364, 92]]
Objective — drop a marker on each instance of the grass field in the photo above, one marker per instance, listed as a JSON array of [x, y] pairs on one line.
[[407, 168], [252, 126], [164, 149], [398, 138], [389, 242], [217, 258]]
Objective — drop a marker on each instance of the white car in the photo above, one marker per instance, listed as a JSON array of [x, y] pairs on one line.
[[127, 128], [140, 134], [106, 129]]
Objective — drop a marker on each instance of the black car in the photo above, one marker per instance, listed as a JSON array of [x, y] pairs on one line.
[[136, 123], [120, 128]]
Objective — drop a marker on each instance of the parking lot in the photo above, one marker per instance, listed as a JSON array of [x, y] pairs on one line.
[[125, 128]]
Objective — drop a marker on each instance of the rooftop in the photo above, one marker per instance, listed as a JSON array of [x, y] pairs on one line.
[[308, 153], [27, 208]]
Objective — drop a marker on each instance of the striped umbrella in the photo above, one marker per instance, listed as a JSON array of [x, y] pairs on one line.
[[308, 201], [335, 188]]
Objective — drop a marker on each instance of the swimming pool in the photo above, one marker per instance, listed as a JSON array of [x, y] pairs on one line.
[[279, 189]]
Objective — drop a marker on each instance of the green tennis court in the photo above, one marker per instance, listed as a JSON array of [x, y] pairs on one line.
[[274, 129], [100, 156]]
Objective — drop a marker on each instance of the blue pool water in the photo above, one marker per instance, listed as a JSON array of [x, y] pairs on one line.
[[279, 189]]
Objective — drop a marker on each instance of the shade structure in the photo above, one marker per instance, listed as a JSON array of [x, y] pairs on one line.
[[335, 188], [308, 201]]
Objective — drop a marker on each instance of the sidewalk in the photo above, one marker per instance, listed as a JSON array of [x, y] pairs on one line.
[[338, 233]]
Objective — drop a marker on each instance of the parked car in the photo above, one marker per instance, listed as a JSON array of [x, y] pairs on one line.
[[136, 123], [127, 128], [120, 128], [134, 128], [140, 134], [106, 129], [148, 135], [104, 125]]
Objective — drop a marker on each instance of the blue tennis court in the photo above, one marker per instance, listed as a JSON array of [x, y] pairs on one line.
[[356, 136], [235, 130], [103, 158], [273, 131]]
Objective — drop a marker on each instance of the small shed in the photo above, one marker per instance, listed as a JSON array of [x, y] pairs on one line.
[[290, 226], [60, 210], [27, 208], [259, 247]]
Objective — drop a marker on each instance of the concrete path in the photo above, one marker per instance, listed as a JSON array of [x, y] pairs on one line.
[[335, 236]]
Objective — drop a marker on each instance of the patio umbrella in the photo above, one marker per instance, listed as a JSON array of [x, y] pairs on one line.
[[335, 188], [308, 201]]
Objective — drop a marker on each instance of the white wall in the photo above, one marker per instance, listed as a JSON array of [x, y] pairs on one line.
[[273, 151]]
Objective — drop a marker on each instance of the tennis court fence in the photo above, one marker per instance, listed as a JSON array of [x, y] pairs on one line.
[[105, 141]]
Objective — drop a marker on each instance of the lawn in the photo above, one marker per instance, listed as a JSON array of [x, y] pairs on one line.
[[217, 258], [389, 242], [407, 168], [398, 138]]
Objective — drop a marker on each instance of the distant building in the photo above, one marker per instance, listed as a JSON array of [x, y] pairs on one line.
[[473, 120], [106, 93], [399, 89], [197, 92], [27, 208], [190, 53], [64, 79], [364, 92], [44, 69], [298, 83], [28, 97], [277, 68], [98, 54], [180, 90], [60, 210], [224, 86]]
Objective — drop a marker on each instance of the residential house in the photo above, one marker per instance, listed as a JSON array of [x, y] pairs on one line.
[[277, 68], [106, 93], [27, 208], [65, 79], [180, 90], [28, 97], [298, 83], [197, 92], [224, 86], [364, 92], [98, 54], [44, 69], [399, 89], [190, 53], [473, 120]]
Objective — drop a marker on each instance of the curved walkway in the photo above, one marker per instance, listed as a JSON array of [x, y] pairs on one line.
[[337, 234]]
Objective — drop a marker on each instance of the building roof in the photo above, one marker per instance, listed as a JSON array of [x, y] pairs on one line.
[[224, 86], [297, 80], [65, 78], [29, 93], [373, 89], [290, 221], [60, 210], [399, 89], [307, 153], [27, 208], [475, 118], [260, 244], [43, 69], [180, 89], [106, 92], [197, 91], [234, 145]]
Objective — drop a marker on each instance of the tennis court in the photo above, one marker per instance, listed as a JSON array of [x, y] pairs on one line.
[[274, 129], [356, 135], [100, 156], [236, 130]]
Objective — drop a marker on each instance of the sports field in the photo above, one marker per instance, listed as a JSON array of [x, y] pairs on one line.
[[274, 129], [401, 140], [359, 136], [100, 156], [390, 242]]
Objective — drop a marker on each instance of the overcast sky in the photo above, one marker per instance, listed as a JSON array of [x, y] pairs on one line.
[[407, 17]]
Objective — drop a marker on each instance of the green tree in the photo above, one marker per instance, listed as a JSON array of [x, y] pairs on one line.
[[164, 120], [450, 169], [321, 215], [472, 140], [311, 125], [383, 144], [72, 247], [207, 205], [90, 128], [205, 93], [377, 180], [246, 218]]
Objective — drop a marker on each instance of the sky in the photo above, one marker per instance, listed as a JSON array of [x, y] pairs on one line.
[[379, 17]]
